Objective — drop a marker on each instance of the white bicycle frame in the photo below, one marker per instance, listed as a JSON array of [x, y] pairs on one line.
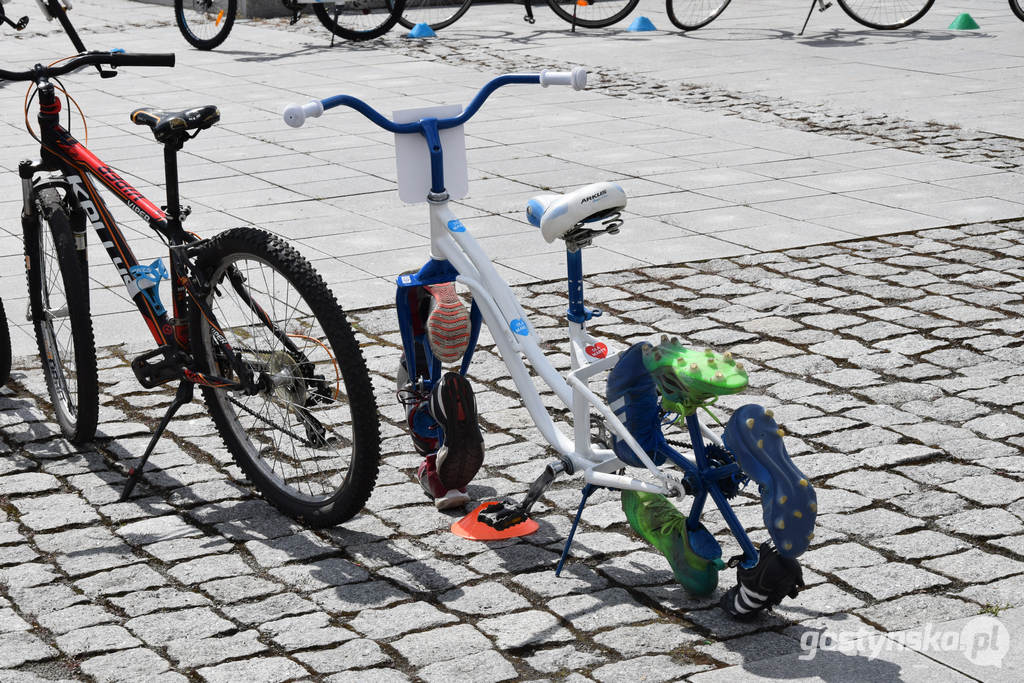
[[516, 339]]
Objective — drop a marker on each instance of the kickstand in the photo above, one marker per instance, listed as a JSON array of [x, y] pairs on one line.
[[823, 6], [337, 11], [587, 490], [183, 396]]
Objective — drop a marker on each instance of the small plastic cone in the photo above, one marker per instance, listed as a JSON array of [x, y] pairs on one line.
[[582, 3], [964, 22], [472, 528]]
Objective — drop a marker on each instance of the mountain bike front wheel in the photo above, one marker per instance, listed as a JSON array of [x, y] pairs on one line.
[[205, 23], [437, 14], [5, 347], [58, 294], [690, 15], [309, 438], [886, 15], [359, 19], [593, 13]]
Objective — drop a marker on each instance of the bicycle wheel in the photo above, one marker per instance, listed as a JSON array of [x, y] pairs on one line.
[[593, 13], [886, 15], [1017, 8], [5, 347], [205, 23], [359, 19], [310, 440], [58, 294], [437, 14], [690, 15]]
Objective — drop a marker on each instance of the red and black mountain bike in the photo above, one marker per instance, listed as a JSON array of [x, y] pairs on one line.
[[249, 320]]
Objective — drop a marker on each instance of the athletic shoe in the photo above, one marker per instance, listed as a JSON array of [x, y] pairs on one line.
[[764, 585], [444, 499], [462, 447], [659, 523], [789, 504], [447, 323]]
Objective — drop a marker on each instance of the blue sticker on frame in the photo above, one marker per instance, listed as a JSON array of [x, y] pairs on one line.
[[519, 327], [455, 225]]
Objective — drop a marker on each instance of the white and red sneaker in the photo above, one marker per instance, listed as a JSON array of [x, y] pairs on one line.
[[447, 323], [444, 499]]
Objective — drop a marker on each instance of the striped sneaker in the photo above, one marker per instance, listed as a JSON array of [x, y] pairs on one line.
[[462, 448], [447, 323], [764, 585]]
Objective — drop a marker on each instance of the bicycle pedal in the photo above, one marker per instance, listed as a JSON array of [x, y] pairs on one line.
[[478, 525], [500, 516], [153, 374]]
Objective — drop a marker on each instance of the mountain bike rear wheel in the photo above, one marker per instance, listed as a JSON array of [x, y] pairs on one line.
[[437, 14], [58, 294], [886, 15], [690, 15], [359, 19], [309, 438], [593, 13], [5, 347], [205, 23]]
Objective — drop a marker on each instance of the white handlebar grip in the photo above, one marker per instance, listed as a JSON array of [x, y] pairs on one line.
[[296, 114], [577, 78]]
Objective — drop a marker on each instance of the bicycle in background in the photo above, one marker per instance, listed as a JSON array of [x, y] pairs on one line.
[[5, 346], [883, 15], [205, 24], [439, 14], [250, 321]]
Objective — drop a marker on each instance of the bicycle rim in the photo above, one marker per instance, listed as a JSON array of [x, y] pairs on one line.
[[437, 14], [886, 14], [359, 19], [205, 24], [693, 14], [309, 443], [58, 296], [593, 13]]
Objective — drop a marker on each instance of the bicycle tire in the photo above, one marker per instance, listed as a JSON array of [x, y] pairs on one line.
[[359, 19], [886, 15], [595, 13], [694, 14], [1017, 9], [437, 14], [5, 347], [205, 24], [305, 421], [59, 291]]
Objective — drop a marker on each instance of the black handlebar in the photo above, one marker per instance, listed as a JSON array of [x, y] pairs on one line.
[[88, 59]]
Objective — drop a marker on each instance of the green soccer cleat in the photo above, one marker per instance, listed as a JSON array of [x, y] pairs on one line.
[[659, 523], [688, 379]]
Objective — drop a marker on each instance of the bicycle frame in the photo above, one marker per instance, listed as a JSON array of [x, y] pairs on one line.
[[74, 168], [455, 255]]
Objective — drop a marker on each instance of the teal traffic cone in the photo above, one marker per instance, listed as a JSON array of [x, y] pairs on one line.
[[642, 24], [421, 30], [964, 22]]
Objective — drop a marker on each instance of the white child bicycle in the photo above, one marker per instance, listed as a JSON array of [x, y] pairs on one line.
[[646, 383]]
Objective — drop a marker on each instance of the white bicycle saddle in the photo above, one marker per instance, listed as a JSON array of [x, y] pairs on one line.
[[557, 214]]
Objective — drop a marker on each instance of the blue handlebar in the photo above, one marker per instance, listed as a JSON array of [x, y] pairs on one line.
[[417, 127]]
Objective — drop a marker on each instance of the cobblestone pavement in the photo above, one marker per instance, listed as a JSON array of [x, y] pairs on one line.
[[892, 362]]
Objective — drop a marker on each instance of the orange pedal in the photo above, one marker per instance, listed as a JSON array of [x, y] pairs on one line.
[[472, 528]]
